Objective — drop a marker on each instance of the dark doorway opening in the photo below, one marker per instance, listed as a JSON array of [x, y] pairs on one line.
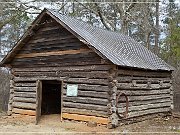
[[51, 97]]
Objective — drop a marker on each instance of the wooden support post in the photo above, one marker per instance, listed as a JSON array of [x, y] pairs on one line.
[[112, 98], [10, 107]]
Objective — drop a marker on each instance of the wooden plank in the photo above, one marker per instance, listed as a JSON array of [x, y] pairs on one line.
[[53, 53], [62, 84], [26, 100], [24, 112], [24, 105], [38, 100], [78, 117], [84, 106], [85, 112], [25, 94], [25, 89]]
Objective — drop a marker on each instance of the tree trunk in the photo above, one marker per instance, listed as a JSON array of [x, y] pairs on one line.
[[156, 49], [148, 40]]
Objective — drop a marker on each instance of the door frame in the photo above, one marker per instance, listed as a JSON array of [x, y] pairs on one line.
[[39, 98]]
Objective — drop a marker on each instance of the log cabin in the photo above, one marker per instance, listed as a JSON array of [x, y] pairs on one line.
[[65, 66]]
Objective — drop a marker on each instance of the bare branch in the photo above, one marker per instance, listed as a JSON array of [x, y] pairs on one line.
[[96, 13], [101, 16]]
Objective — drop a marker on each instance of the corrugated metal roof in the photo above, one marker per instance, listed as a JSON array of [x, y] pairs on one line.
[[122, 50]]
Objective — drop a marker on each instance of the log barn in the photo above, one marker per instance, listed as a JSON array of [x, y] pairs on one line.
[[65, 66]]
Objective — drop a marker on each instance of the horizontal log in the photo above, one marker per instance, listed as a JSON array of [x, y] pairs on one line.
[[53, 53], [96, 101], [48, 24], [78, 117], [84, 112], [59, 32], [51, 45], [145, 98], [73, 45], [53, 39], [52, 63], [99, 88], [152, 87], [25, 89], [143, 73], [25, 94], [20, 79], [149, 111], [144, 92], [85, 106], [92, 74], [24, 112], [142, 80], [25, 84], [145, 107], [71, 68], [145, 102], [45, 29], [26, 100], [86, 55], [91, 94], [65, 79], [24, 105], [30, 118], [87, 81]]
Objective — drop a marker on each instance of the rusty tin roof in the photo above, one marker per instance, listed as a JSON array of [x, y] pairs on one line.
[[120, 49]]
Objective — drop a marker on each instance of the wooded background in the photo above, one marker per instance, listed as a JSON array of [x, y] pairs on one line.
[[154, 23]]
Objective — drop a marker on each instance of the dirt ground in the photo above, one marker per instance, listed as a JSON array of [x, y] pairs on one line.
[[51, 124]]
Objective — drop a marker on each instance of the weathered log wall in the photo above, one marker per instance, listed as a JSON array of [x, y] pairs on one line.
[[148, 92], [53, 53], [53, 45], [22, 98], [92, 96]]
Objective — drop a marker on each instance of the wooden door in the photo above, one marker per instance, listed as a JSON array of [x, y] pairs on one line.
[[61, 99], [38, 100]]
